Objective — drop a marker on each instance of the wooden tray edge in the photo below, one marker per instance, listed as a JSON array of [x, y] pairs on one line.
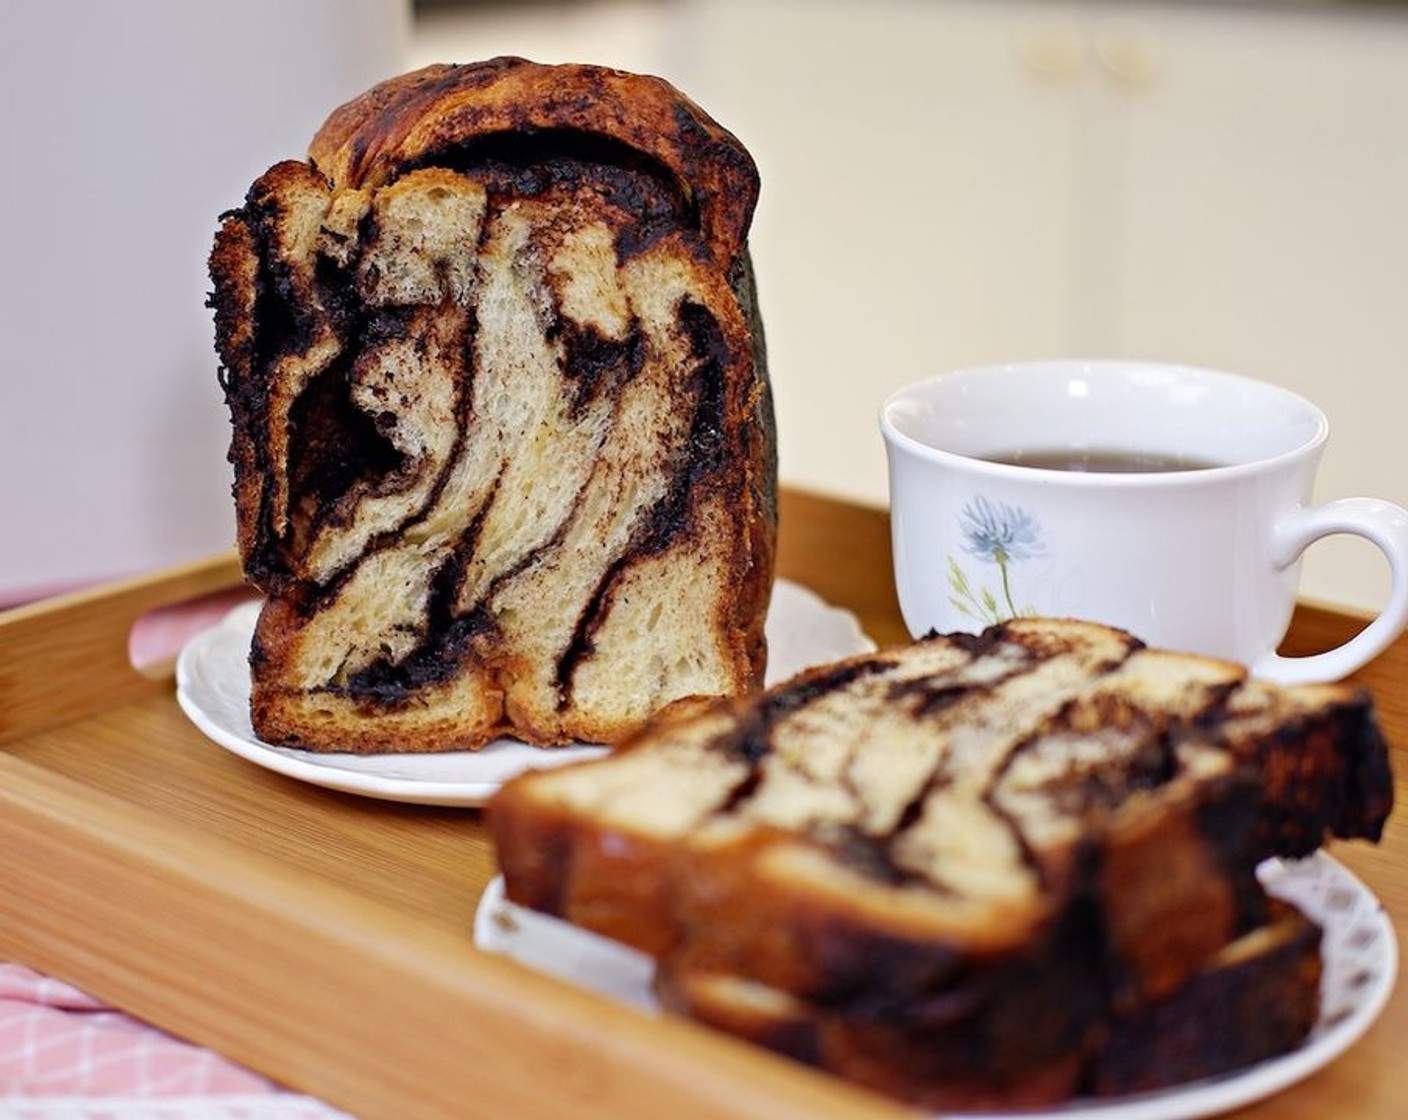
[[413, 1022], [191, 934], [68, 657]]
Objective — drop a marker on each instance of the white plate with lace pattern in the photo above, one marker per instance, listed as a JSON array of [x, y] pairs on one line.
[[1358, 948]]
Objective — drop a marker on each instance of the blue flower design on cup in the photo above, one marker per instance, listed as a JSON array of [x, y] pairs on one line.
[[1000, 534]]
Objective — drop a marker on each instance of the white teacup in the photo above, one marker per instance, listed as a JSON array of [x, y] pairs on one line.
[[1196, 548]]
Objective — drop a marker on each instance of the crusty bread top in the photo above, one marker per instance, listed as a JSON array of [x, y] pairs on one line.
[[416, 118]]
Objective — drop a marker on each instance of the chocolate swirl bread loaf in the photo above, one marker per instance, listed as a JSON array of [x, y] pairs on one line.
[[972, 871], [503, 442]]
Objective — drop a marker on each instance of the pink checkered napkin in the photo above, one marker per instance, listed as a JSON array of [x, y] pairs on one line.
[[61, 1049]]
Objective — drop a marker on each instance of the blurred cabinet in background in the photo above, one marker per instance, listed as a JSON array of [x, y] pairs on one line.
[[950, 183]]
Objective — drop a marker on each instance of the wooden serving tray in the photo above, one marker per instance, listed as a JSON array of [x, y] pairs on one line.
[[325, 939], [320, 938]]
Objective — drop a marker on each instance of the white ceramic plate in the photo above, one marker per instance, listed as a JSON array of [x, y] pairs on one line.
[[1359, 951], [212, 687]]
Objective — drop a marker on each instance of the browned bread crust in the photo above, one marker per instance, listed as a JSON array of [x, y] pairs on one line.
[[1027, 835], [1256, 997], [417, 119], [502, 433]]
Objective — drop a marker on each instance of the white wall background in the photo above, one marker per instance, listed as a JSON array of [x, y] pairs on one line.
[[128, 127], [946, 182]]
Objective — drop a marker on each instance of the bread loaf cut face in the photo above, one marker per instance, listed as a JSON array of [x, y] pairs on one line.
[[502, 435], [987, 848]]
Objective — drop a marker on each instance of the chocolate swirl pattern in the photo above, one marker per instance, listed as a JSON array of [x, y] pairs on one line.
[[978, 871], [503, 442]]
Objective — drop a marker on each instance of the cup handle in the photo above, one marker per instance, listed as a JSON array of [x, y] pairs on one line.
[[1383, 523]]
